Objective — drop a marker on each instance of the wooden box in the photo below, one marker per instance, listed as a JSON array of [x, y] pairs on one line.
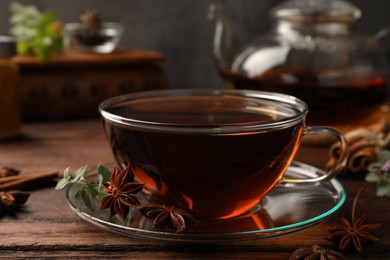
[[72, 85]]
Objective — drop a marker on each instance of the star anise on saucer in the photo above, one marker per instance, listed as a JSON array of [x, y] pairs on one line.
[[315, 252], [169, 217], [355, 235], [120, 191]]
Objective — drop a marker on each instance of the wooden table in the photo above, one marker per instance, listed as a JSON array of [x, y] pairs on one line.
[[47, 227]]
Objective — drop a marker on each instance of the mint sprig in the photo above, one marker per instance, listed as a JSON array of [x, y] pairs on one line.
[[379, 173], [87, 191]]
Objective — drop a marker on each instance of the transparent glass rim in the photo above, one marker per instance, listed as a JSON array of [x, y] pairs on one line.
[[278, 98], [309, 10], [81, 26]]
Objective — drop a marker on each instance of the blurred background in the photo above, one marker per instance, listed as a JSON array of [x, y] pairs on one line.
[[181, 31]]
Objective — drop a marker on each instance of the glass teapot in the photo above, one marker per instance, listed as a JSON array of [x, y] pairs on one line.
[[312, 53]]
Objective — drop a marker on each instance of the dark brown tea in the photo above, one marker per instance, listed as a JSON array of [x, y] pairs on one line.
[[349, 102], [194, 166]]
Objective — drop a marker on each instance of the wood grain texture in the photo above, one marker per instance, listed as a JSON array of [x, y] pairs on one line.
[[73, 84], [84, 58], [47, 228]]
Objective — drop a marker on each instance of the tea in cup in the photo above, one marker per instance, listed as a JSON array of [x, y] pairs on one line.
[[214, 153]]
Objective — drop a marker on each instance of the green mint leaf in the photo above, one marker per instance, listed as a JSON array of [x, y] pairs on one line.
[[77, 177], [84, 195], [79, 174], [62, 184], [48, 17], [101, 194], [104, 172], [372, 177], [99, 182], [65, 180], [383, 156], [383, 188], [67, 172], [93, 188]]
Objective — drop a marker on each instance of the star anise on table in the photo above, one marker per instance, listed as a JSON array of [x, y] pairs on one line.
[[169, 217], [120, 191], [315, 252], [12, 200], [355, 234], [8, 171]]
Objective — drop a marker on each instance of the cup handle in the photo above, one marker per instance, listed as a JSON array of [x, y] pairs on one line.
[[337, 167]]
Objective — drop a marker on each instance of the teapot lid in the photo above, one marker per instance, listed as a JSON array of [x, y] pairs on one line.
[[317, 11]]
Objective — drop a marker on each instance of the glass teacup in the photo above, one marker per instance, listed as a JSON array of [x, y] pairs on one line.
[[214, 153]]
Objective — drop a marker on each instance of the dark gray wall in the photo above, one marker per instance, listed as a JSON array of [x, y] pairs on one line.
[[180, 29]]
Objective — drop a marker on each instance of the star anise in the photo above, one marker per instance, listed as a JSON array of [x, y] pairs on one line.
[[12, 200], [355, 235], [8, 171], [120, 191], [91, 18], [169, 217], [314, 253]]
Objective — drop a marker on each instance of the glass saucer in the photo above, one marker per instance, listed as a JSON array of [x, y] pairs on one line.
[[285, 209]]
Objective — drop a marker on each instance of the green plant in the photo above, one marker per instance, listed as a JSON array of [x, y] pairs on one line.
[[35, 32]]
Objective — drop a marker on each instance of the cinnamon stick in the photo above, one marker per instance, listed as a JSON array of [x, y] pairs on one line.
[[27, 181], [10, 178]]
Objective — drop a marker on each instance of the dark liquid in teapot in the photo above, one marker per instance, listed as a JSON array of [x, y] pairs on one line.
[[347, 104]]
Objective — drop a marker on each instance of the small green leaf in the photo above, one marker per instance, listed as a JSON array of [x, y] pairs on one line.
[[383, 188], [62, 184], [104, 172], [99, 182], [101, 194], [372, 177], [65, 180], [84, 194], [47, 18], [383, 156], [79, 174], [23, 48], [93, 188], [67, 172], [79, 193]]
